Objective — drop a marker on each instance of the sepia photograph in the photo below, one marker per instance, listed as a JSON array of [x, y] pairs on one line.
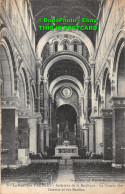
[[62, 96]]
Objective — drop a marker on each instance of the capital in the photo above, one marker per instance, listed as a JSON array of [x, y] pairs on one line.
[[45, 80], [86, 81], [38, 62], [92, 65], [92, 60]]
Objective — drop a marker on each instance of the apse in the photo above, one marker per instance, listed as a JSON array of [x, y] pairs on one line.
[[66, 117]]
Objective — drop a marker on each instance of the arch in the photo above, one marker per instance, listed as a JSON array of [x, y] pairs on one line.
[[65, 84], [22, 89], [76, 111], [56, 46], [65, 40], [119, 45], [7, 74], [33, 87], [97, 91], [56, 40], [80, 35], [121, 73], [98, 99], [32, 100], [69, 57], [34, 96], [22, 68], [107, 92], [106, 87], [6, 39], [106, 72], [75, 40], [27, 85], [66, 77], [120, 39], [69, 105], [99, 104], [75, 47]]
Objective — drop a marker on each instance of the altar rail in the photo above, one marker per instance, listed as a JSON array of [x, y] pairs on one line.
[[63, 161]]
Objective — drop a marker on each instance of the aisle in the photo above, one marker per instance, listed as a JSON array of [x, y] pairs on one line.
[[65, 173]]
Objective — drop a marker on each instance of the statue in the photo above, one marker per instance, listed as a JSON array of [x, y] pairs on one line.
[[66, 131]]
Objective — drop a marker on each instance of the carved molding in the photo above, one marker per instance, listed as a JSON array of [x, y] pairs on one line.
[[10, 103]]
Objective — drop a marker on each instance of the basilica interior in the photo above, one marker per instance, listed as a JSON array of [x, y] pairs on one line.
[[62, 88]]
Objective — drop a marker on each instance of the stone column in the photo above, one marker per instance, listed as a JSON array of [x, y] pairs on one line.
[[38, 77], [79, 49], [45, 116], [98, 135], [42, 138], [118, 131], [33, 135], [50, 110], [81, 137], [94, 135], [86, 138], [107, 133], [92, 65], [38, 135], [90, 137], [78, 131], [51, 48], [9, 136], [23, 129], [71, 47], [86, 81], [60, 47], [82, 106], [47, 137]]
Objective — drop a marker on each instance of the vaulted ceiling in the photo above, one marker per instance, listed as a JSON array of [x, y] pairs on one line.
[[66, 67], [75, 9]]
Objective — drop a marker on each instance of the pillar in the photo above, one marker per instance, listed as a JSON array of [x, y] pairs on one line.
[[86, 138], [79, 49], [93, 135], [78, 132], [86, 81], [38, 77], [81, 137], [42, 138], [45, 93], [118, 130], [92, 65], [9, 136], [50, 110], [38, 135], [60, 47], [98, 135], [33, 135], [51, 48], [71, 48], [23, 132], [107, 133], [47, 137]]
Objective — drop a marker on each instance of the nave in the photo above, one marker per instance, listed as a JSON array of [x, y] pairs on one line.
[[66, 171]]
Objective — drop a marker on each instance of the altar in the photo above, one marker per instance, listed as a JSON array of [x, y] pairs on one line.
[[66, 152]]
